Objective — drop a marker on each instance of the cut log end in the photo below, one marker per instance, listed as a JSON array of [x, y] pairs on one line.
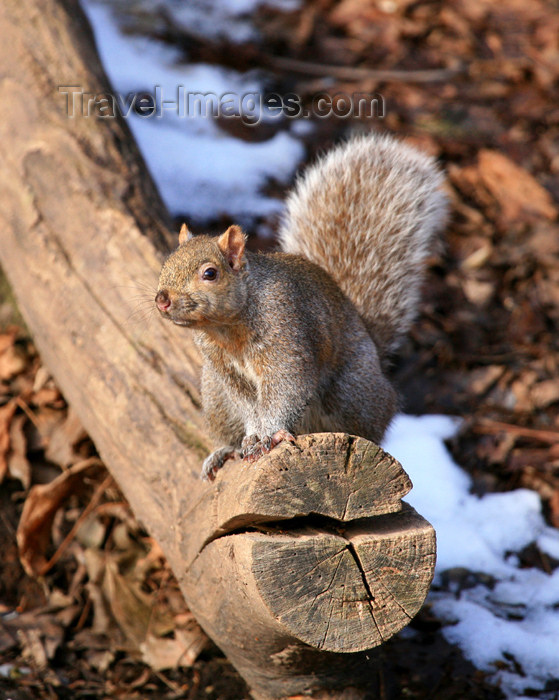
[[329, 557], [346, 589]]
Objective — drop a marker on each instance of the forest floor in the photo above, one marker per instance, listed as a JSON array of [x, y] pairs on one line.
[[88, 606]]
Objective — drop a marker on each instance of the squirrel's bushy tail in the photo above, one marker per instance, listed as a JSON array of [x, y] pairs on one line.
[[368, 213]]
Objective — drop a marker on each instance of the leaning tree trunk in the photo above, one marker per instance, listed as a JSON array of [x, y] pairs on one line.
[[294, 566]]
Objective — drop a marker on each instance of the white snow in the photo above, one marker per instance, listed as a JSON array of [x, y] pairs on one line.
[[222, 19], [515, 621], [200, 170]]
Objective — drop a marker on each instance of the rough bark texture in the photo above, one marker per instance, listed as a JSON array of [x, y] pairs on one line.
[[294, 566]]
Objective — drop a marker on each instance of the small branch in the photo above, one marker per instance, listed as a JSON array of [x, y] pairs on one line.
[[489, 427], [294, 65], [95, 499]]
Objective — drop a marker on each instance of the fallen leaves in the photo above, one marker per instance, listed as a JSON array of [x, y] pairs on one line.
[[18, 464], [182, 650], [6, 415], [121, 585], [64, 440], [107, 587], [33, 415], [497, 182], [38, 633], [518, 193], [13, 359], [125, 615], [143, 624], [39, 509]]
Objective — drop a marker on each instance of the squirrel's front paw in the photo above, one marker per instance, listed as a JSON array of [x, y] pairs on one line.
[[213, 463], [253, 447]]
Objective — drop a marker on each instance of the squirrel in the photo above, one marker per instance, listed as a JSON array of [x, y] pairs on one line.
[[297, 341]]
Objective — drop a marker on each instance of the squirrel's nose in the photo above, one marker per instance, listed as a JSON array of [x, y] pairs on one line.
[[162, 300]]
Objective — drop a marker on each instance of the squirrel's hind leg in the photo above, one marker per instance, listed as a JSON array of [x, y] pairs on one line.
[[364, 399]]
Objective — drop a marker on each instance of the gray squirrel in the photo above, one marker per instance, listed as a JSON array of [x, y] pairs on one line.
[[296, 341]]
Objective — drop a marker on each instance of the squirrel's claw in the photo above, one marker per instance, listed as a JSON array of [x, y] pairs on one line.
[[253, 447], [213, 463], [282, 435]]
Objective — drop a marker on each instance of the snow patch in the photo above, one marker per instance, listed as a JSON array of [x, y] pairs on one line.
[[510, 628], [200, 170], [222, 19]]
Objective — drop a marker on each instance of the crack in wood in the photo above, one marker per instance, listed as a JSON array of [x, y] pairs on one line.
[[370, 595], [331, 608], [350, 442], [379, 581]]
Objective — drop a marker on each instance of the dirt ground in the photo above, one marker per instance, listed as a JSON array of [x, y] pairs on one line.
[[88, 605]]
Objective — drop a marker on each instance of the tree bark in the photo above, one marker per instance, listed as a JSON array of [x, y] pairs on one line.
[[294, 566]]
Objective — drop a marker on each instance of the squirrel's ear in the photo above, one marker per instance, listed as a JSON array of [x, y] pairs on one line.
[[184, 235], [232, 245]]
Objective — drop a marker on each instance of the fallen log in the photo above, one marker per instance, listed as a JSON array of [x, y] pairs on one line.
[[295, 566]]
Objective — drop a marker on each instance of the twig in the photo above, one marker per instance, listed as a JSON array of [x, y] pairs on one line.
[[360, 73], [83, 616], [98, 494], [488, 426], [28, 412]]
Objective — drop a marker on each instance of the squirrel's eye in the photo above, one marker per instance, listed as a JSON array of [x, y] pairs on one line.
[[210, 273]]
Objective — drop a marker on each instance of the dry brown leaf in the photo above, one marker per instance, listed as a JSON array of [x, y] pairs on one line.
[[483, 378], [6, 415], [97, 653], [46, 397], [521, 388], [42, 376], [182, 650], [478, 258], [100, 659], [41, 504], [63, 440], [545, 393], [130, 606], [544, 243], [13, 359], [519, 194], [103, 622], [7, 339], [478, 291], [91, 533], [32, 648], [39, 633], [134, 620], [44, 423], [467, 180], [18, 464]]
